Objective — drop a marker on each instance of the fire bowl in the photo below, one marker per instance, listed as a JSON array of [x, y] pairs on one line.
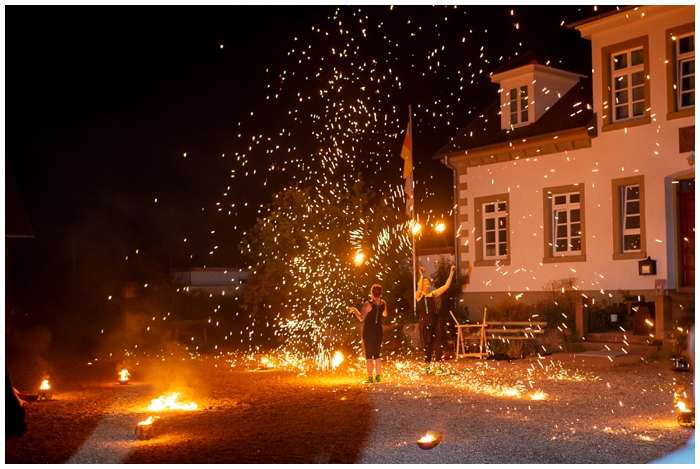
[[429, 444], [687, 419], [45, 394], [146, 430], [123, 382]]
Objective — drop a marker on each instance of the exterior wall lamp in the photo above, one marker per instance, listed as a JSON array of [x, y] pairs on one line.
[[647, 266]]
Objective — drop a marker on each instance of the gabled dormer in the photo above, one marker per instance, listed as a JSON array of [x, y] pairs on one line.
[[528, 91]]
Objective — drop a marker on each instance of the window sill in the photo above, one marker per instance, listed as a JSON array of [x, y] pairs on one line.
[[494, 262], [556, 260], [626, 124], [619, 256], [680, 114]]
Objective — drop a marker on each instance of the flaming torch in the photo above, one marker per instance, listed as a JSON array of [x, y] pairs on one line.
[[429, 441], [686, 415], [124, 377], [45, 391], [144, 430]]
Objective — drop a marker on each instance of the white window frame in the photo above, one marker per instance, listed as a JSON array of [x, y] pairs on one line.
[[499, 215], [519, 106], [559, 221], [681, 59], [624, 86], [629, 213]]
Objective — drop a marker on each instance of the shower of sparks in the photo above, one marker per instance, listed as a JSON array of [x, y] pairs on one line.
[[341, 98]]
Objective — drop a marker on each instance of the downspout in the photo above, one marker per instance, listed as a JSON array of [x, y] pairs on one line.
[[455, 201]]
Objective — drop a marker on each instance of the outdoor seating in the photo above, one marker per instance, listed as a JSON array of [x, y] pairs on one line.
[[494, 330]]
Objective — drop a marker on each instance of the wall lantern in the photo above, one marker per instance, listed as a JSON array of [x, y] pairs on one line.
[[647, 267]]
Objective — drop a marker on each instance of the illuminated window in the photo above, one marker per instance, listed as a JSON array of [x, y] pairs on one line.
[[631, 219]]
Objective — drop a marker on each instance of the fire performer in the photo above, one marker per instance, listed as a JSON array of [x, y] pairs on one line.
[[430, 326], [371, 317]]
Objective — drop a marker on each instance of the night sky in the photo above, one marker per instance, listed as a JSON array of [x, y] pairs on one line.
[[150, 138]]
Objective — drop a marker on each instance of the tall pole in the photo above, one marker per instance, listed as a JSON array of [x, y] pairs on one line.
[[413, 211]]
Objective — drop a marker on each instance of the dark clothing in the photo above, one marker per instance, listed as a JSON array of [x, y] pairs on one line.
[[432, 330], [372, 330], [14, 413]]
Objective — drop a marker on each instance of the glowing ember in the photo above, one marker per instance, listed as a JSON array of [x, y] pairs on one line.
[[429, 437], [124, 375], [538, 395], [337, 359], [163, 403], [45, 384]]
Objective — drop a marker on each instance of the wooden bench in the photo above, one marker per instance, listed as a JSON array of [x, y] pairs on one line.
[[494, 330]]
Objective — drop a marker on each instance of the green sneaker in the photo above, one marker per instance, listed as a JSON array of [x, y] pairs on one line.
[[377, 380], [427, 370], [368, 380], [440, 371]]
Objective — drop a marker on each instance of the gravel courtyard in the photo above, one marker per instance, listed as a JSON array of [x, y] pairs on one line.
[[556, 409]]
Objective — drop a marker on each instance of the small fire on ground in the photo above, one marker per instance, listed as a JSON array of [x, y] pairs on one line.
[[170, 403]]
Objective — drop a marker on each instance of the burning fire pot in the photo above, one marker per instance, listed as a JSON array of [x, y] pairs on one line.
[[124, 377], [146, 430], [45, 392], [429, 441], [686, 415]]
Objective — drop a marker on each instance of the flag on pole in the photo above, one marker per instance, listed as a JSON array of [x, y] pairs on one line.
[[407, 155]]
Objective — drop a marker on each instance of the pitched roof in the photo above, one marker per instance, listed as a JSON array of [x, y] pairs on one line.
[[573, 110]]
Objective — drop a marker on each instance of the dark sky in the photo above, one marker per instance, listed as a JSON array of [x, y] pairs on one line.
[[102, 103]]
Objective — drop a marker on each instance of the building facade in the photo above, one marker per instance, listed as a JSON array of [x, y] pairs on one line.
[[573, 177]]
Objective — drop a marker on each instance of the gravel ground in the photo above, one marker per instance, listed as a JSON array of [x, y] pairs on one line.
[[596, 410]]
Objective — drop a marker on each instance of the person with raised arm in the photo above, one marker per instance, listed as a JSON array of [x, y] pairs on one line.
[[430, 326]]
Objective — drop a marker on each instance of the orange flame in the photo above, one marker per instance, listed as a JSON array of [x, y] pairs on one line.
[[124, 374], [148, 421], [427, 438], [337, 359], [681, 406], [163, 403], [45, 384]]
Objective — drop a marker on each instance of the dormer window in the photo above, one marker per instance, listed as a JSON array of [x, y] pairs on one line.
[[519, 106]]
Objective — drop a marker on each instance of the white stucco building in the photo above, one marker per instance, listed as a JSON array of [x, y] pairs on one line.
[[571, 176]]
